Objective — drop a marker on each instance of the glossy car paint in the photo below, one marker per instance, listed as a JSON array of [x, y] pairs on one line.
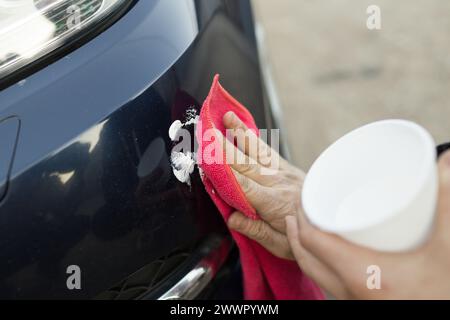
[[91, 183]]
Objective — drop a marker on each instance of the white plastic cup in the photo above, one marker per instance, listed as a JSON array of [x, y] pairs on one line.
[[376, 186]]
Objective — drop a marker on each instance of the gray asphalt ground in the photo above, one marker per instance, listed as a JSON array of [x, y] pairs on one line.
[[333, 74]]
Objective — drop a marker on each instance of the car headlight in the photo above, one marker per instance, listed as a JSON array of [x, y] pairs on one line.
[[29, 29]]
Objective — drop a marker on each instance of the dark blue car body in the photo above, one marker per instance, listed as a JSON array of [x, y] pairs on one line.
[[85, 176]]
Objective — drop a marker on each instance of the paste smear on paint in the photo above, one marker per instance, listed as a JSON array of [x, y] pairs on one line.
[[183, 163]]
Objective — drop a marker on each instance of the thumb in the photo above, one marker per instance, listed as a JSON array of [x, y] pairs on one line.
[[261, 232]]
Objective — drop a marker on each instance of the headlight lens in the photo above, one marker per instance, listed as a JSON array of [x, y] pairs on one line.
[[30, 29]]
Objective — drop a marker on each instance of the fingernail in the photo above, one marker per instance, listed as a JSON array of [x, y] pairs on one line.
[[232, 222], [289, 219], [230, 116], [291, 224]]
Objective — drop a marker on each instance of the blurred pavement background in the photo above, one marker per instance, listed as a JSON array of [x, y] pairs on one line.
[[333, 74]]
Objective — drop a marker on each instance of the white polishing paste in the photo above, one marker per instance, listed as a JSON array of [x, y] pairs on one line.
[[174, 128], [183, 164]]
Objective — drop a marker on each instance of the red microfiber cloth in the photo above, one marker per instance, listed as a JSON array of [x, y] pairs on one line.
[[265, 277]]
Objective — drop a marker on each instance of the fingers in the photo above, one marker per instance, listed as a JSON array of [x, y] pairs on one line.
[[260, 197], [443, 205], [261, 232], [311, 266], [248, 141], [444, 184], [348, 261], [241, 162]]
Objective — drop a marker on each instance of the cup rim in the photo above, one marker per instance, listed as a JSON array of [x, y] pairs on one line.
[[428, 144]]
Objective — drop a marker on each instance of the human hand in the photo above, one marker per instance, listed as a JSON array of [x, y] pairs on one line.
[[273, 196], [341, 267]]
